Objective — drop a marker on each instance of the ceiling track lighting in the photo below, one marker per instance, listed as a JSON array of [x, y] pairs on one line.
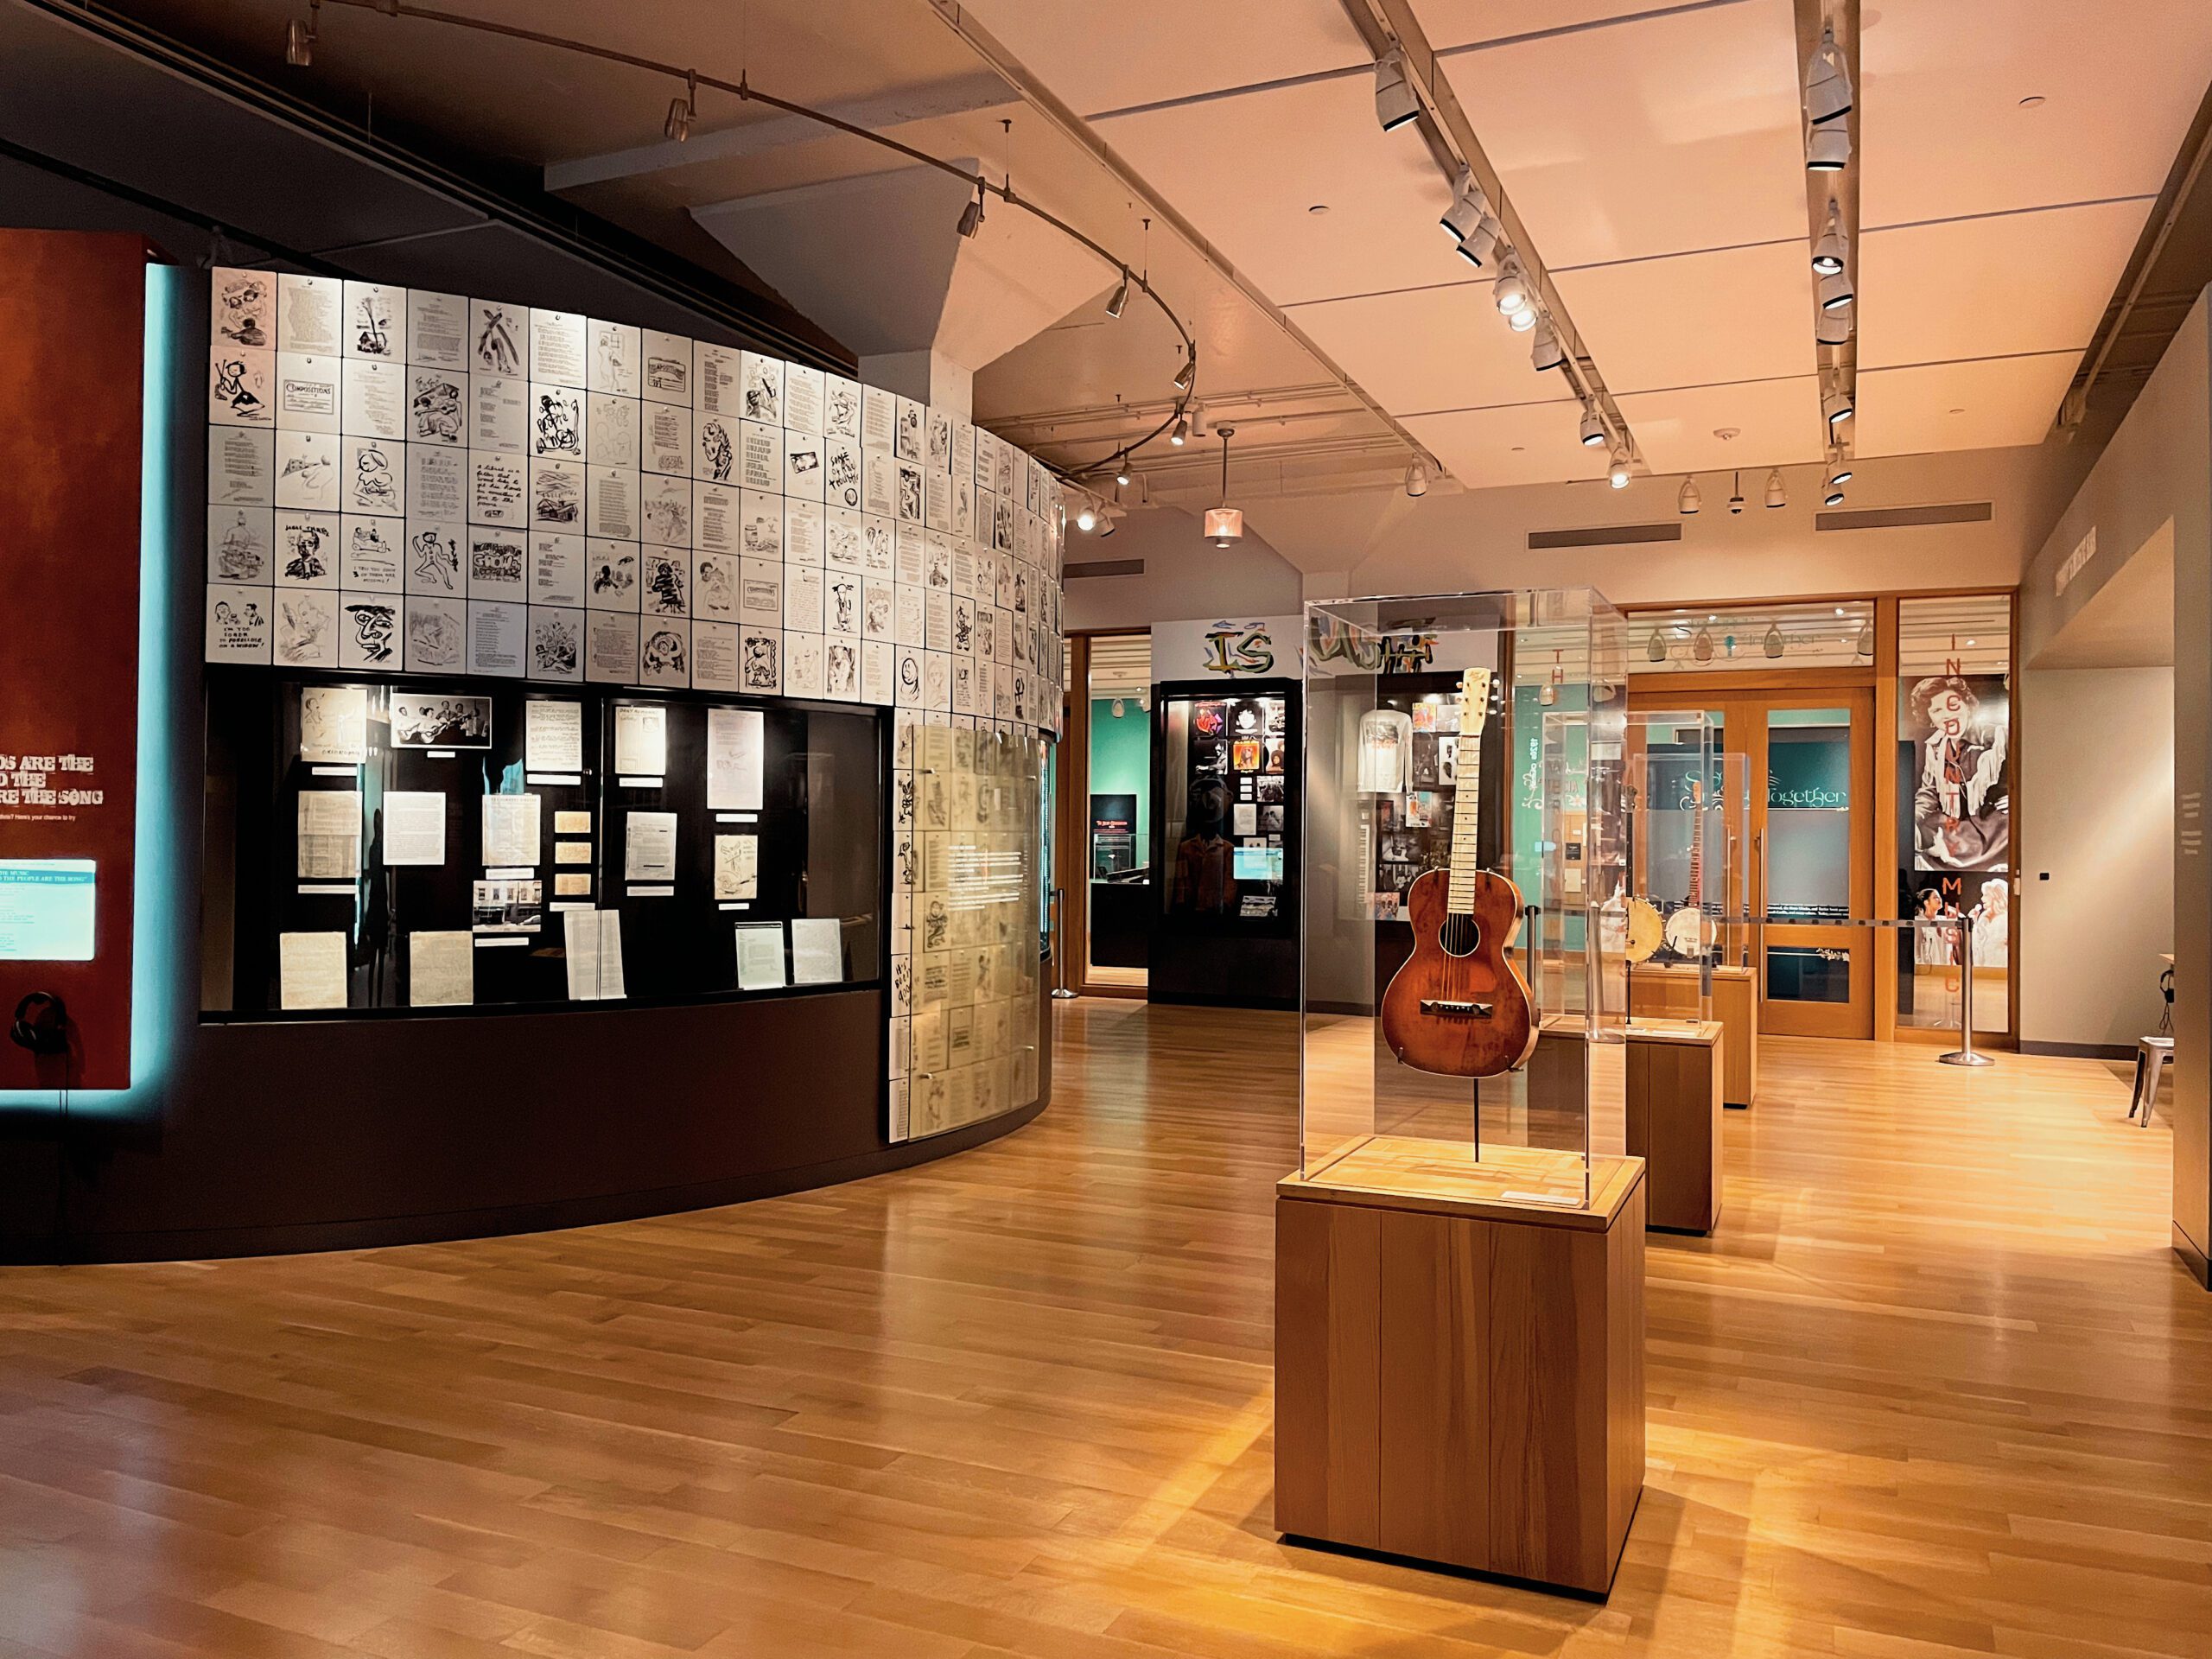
[[1480, 243], [682, 112], [1689, 502], [1121, 471], [1834, 327], [1545, 351], [300, 37], [1510, 292], [1522, 320], [1776, 495], [1185, 375], [1833, 498], [1827, 82], [1831, 252], [1119, 303], [1839, 471], [1181, 434], [1396, 102], [1836, 406], [1468, 209], [1618, 474], [1593, 427], [1736, 495], [1827, 149], [1416, 478], [1836, 291], [971, 216], [1085, 518], [1224, 523]]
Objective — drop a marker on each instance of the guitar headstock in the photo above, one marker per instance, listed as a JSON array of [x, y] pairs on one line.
[[1476, 691]]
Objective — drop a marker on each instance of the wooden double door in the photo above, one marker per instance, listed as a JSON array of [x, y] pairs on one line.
[[1799, 845]]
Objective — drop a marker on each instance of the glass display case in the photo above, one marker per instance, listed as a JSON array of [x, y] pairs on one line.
[[1464, 996], [1226, 824], [1672, 911], [388, 848]]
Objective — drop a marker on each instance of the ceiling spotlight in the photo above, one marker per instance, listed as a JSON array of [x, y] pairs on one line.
[[1115, 305], [1776, 496], [1836, 291], [1836, 406], [1480, 243], [1830, 251], [1189, 368], [1833, 498], [1224, 523], [1522, 320], [1468, 209], [1618, 474], [1544, 351], [971, 216], [1736, 495], [1594, 427], [1833, 327], [1689, 501], [300, 37], [1827, 82], [1416, 478], [1839, 473], [1827, 149], [1510, 292], [682, 112], [1395, 101], [1085, 519], [1111, 523], [1181, 434]]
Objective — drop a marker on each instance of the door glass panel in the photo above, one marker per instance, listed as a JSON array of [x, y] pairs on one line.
[[1118, 816], [1804, 973], [1808, 815]]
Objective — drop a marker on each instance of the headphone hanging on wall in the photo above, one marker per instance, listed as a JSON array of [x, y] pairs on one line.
[[42, 1024]]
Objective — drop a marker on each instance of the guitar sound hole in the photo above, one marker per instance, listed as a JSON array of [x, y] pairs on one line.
[[1458, 936]]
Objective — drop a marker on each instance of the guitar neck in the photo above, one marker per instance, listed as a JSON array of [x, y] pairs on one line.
[[1467, 830]]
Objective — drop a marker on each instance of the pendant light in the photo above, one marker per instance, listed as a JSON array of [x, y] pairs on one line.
[[1736, 495], [1224, 523], [1689, 501]]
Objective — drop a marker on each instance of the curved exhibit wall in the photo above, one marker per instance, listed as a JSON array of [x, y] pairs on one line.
[[197, 1115]]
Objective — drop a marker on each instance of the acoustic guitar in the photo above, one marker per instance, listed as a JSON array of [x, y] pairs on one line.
[[1459, 1007]]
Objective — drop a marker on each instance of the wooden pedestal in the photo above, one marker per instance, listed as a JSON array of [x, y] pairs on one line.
[[1669, 991], [1459, 1370], [1673, 1119]]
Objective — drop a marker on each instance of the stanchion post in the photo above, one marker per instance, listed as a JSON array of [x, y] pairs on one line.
[[1964, 1054]]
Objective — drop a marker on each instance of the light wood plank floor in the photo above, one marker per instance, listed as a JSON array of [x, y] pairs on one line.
[[1937, 1388]]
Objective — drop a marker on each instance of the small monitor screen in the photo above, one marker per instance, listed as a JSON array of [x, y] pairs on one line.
[[1257, 864], [46, 909]]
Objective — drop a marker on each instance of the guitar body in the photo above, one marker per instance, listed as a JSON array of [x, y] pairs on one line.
[[1459, 1007]]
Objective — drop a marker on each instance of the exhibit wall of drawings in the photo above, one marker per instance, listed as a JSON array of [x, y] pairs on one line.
[[408, 486]]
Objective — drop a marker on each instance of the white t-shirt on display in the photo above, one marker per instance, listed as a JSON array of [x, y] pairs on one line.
[[1386, 740]]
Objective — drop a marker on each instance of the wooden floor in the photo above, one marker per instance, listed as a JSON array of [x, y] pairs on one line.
[[1937, 1388]]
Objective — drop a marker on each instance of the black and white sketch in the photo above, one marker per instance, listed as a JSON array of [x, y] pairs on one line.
[[436, 634], [239, 393], [369, 633], [240, 544], [436, 400], [664, 654], [244, 310], [434, 559], [307, 629], [496, 335], [555, 643]]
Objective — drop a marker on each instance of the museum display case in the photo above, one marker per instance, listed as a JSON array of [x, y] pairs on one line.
[[1464, 1023]]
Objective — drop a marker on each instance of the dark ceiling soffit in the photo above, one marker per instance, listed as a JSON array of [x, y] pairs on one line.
[[1964, 513], [1104, 568], [1605, 536], [587, 237]]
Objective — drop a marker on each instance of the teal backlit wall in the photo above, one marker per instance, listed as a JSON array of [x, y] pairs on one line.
[[1121, 758]]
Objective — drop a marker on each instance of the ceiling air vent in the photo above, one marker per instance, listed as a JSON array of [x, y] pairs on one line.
[[1605, 536], [1962, 513], [1104, 568]]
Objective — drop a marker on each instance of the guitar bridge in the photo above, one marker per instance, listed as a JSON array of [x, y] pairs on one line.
[[1444, 1010]]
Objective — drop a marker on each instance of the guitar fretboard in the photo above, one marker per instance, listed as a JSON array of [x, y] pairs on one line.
[[1466, 811]]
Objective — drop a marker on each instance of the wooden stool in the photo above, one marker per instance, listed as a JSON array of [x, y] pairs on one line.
[[2152, 1055]]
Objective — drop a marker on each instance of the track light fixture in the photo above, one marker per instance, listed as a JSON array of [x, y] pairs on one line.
[[1545, 351], [1510, 292], [1120, 299], [1827, 149], [1836, 405], [1736, 495], [1837, 290], [1689, 501], [1468, 209], [1224, 523], [1833, 498], [1396, 103], [1121, 471], [1618, 474], [1085, 519], [1827, 82], [1416, 478], [1110, 522], [1522, 320], [1480, 243], [682, 112], [1839, 472], [300, 37], [1181, 434], [1833, 327], [1593, 427], [971, 216], [1776, 496], [1832, 249], [1189, 368]]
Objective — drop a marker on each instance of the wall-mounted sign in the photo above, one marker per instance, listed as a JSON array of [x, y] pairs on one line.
[[1226, 648]]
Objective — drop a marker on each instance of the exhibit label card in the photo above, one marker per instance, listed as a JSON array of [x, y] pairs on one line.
[[441, 969], [553, 739], [649, 847], [414, 827], [640, 739], [311, 971], [735, 766], [761, 956]]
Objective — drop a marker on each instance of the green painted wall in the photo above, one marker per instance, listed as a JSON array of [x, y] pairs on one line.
[[1121, 760]]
